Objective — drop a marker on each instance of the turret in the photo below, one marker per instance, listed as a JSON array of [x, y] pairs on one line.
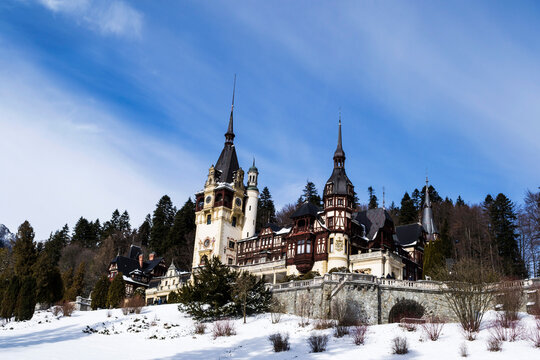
[[427, 217], [251, 202]]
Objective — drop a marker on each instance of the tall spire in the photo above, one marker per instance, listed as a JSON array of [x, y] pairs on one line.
[[339, 154], [229, 135], [427, 202], [427, 216], [383, 199]]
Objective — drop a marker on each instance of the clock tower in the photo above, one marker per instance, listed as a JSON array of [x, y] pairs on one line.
[[220, 210]]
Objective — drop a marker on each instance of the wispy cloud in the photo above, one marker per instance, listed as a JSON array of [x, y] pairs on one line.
[[112, 17]]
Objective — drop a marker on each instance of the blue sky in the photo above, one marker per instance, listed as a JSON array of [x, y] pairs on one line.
[[111, 104]]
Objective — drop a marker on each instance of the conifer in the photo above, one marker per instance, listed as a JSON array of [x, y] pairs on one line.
[[26, 301], [162, 222], [117, 291], [373, 201], [49, 286], [77, 285], [24, 250], [100, 292], [407, 213], [9, 298]]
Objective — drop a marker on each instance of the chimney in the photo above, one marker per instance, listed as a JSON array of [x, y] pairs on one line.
[[140, 260], [151, 256]]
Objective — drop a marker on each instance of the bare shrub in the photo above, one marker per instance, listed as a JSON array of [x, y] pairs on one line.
[[400, 345], [317, 343], [223, 328], [534, 336], [470, 335], [133, 305], [408, 324], [494, 344], [505, 330], [277, 308], [199, 328], [341, 331], [468, 292], [511, 299], [347, 312], [64, 307], [280, 342], [463, 350], [323, 324], [359, 334], [305, 306], [56, 310], [433, 327]]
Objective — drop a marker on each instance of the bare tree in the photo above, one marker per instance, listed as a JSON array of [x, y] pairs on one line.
[[283, 216], [529, 231], [244, 283]]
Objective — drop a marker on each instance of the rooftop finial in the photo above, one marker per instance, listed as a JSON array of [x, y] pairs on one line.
[[383, 198], [229, 135], [339, 154], [254, 161]]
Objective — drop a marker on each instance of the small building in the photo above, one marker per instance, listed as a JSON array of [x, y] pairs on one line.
[[137, 271], [159, 288]]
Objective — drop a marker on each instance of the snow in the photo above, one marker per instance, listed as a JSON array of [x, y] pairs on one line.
[[162, 332]]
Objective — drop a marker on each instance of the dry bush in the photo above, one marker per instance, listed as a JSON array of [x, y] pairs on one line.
[[199, 328], [279, 342], [341, 331], [223, 328], [359, 334], [305, 306], [277, 308], [470, 335], [56, 310], [534, 337], [433, 327], [400, 345], [494, 344], [133, 305], [463, 350], [323, 324], [511, 300], [347, 312], [408, 325], [468, 292], [505, 330], [317, 343]]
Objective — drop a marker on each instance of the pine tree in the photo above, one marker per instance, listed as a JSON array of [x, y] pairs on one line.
[[85, 234], [407, 213], [67, 280], [24, 250], [100, 292], [447, 246], [416, 197], [373, 204], [143, 233], [117, 291], [310, 194], [26, 301], [459, 201], [9, 298], [434, 196], [77, 285], [112, 226], [55, 244], [49, 286], [504, 231], [434, 258], [266, 211], [181, 236], [162, 221]]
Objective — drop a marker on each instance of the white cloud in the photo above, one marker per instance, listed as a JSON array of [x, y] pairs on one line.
[[64, 155], [107, 17]]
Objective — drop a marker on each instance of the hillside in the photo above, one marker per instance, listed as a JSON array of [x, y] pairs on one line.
[[5, 236], [162, 332]]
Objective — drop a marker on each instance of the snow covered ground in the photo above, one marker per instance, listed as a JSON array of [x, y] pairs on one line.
[[162, 332]]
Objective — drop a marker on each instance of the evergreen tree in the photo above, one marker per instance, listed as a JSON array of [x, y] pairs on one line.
[[77, 285], [416, 197], [504, 231], [250, 294], [49, 286], [143, 233], [162, 222], [181, 236], [24, 250], [434, 258], [459, 201], [310, 194], [266, 211], [373, 204], [9, 298], [434, 196], [117, 291], [393, 210], [112, 226], [407, 213], [447, 246], [55, 244], [26, 301], [85, 234], [67, 280], [100, 292]]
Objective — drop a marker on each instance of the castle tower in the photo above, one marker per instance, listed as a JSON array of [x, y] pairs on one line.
[[427, 217], [338, 198], [251, 202], [219, 208]]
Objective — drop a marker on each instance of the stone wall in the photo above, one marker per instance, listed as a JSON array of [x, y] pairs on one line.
[[372, 298]]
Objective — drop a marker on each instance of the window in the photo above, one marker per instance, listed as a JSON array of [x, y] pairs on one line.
[[208, 219], [301, 223], [301, 247], [330, 222], [249, 207], [340, 201], [308, 247], [229, 261], [331, 245], [234, 221], [231, 244], [346, 246]]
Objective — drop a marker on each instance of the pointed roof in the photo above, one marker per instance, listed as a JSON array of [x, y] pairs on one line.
[[227, 163], [307, 209], [338, 178], [427, 215]]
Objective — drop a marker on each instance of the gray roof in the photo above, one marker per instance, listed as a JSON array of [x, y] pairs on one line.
[[307, 209], [338, 178], [407, 235], [373, 220]]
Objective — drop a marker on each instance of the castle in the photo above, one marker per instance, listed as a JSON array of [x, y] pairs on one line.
[[338, 236]]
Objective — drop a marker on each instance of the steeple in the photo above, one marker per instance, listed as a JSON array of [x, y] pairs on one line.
[[339, 154], [229, 135], [427, 216]]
